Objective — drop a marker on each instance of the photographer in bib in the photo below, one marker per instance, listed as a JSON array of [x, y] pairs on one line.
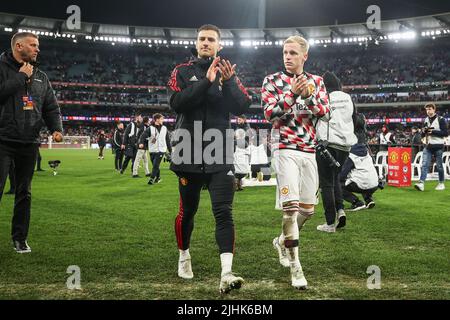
[[434, 131], [335, 137]]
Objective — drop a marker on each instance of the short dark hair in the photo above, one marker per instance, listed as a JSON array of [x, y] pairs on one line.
[[430, 105], [157, 116], [145, 119], [209, 27], [21, 35]]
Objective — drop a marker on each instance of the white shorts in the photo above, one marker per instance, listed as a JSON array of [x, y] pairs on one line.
[[297, 177]]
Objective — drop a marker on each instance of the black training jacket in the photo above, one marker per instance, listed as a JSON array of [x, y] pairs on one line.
[[195, 99], [17, 124]]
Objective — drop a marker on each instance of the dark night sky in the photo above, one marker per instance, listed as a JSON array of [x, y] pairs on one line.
[[227, 13]]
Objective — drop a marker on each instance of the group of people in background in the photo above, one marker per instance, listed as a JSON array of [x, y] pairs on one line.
[[142, 141]]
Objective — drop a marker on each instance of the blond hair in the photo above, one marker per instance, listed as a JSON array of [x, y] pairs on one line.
[[300, 40]]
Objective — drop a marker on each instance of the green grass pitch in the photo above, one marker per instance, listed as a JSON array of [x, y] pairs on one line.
[[119, 231]]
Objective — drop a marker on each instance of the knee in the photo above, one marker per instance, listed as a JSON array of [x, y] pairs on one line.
[[222, 213], [306, 210], [290, 207]]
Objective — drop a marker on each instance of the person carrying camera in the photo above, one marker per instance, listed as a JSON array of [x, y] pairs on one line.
[[359, 175], [336, 137], [434, 132], [293, 100]]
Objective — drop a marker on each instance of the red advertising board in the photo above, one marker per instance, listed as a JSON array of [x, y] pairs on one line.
[[399, 167]]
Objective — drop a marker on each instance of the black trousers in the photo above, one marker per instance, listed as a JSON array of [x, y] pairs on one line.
[[24, 157], [239, 176], [12, 178], [39, 160], [118, 159], [130, 154], [330, 185], [347, 192], [100, 153], [255, 168], [155, 158], [221, 190]]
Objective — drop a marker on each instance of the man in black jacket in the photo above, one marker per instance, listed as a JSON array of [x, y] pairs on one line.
[[204, 93], [129, 142], [141, 153], [27, 101], [117, 143]]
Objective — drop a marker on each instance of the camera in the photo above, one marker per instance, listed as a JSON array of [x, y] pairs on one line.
[[427, 130], [321, 149]]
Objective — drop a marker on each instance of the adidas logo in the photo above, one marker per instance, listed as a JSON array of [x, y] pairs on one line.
[[230, 173], [194, 78]]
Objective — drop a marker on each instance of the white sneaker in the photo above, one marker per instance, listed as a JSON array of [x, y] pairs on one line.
[[282, 255], [326, 228], [341, 218], [419, 186], [230, 282], [440, 187], [298, 278], [185, 269]]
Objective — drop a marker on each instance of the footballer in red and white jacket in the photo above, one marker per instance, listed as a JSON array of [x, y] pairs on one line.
[[293, 101]]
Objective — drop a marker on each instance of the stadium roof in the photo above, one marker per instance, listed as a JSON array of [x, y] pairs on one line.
[[437, 25]]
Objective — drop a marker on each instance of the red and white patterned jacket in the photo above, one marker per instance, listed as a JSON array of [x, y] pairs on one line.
[[294, 117]]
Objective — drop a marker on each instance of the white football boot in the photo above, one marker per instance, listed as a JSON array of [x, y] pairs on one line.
[[298, 278], [230, 282], [185, 269], [282, 255]]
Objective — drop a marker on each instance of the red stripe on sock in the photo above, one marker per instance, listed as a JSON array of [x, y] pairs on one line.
[[178, 226]]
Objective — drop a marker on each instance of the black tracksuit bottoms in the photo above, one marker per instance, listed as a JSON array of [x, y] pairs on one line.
[[24, 157], [330, 185], [221, 190], [155, 158]]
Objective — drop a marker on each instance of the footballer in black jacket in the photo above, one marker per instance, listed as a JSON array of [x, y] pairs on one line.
[[204, 92]]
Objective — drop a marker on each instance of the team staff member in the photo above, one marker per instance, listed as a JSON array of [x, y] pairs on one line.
[[129, 142], [117, 142], [204, 93], [156, 139], [27, 101], [141, 150]]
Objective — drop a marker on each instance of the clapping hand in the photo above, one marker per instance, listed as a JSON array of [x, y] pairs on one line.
[[300, 86], [226, 70]]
